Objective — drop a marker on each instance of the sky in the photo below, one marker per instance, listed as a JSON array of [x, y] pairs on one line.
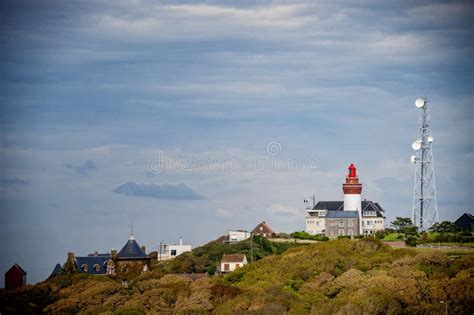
[[193, 118]]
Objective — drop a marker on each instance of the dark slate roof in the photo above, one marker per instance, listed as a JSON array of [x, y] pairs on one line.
[[367, 205], [341, 214], [131, 250], [56, 271], [329, 205], [90, 261], [466, 216]]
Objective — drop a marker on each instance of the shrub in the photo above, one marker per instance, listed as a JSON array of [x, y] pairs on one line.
[[358, 236], [380, 235], [283, 235], [467, 239], [343, 237], [306, 236], [411, 241], [454, 238], [211, 269]]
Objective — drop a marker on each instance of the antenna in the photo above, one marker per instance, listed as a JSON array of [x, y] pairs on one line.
[[420, 102], [416, 145], [425, 205]]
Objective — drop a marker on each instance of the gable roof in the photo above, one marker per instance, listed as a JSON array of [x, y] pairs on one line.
[[341, 214], [368, 205], [234, 258], [467, 216], [131, 249], [56, 271], [263, 228], [16, 267]]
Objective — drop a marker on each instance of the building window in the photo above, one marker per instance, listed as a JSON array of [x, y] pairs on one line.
[[173, 252], [84, 268], [369, 222], [317, 223], [226, 267], [97, 267], [350, 223], [349, 232], [341, 232], [237, 265], [341, 223]]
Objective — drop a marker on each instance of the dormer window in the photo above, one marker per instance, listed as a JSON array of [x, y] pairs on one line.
[[84, 268], [97, 267]]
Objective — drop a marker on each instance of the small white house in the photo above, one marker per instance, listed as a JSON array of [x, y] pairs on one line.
[[170, 251], [238, 236], [231, 262]]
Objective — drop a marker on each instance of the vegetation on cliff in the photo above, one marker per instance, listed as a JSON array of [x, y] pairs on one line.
[[206, 258], [340, 276]]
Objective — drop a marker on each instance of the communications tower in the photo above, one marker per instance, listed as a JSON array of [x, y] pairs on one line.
[[425, 206]]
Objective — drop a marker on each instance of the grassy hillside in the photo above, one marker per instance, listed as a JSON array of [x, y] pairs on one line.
[[206, 258], [340, 276]]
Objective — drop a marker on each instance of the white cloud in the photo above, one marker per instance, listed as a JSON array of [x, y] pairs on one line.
[[160, 22], [281, 210], [223, 213]]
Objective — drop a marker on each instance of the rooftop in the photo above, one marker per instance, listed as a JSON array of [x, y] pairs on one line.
[[341, 214], [131, 250], [235, 258]]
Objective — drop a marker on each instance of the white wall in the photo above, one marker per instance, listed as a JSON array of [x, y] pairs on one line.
[[371, 225], [233, 265], [237, 236], [315, 225]]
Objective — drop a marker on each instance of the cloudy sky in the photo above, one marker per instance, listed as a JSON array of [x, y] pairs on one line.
[[192, 118]]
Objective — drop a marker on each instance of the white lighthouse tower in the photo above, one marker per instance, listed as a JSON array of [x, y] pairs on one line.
[[352, 194]]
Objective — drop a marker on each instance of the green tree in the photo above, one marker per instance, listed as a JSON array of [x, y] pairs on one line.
[[410, 230], [443, 227], [400, 223]]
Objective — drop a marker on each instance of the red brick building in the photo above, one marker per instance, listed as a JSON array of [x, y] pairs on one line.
[[263, 229], [15, 277]]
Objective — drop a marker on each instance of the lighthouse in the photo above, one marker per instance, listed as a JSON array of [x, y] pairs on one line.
[[349, 217], [352, 190]]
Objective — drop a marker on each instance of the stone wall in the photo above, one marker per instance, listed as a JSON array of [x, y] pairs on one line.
[[341, 226]]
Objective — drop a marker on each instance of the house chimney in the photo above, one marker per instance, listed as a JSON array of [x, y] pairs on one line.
[[70, 256], [143, 249], [180, 241]]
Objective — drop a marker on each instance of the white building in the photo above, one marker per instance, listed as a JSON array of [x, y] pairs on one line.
[[231, 262], [237, 236], [170, 251], [369, 215]]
